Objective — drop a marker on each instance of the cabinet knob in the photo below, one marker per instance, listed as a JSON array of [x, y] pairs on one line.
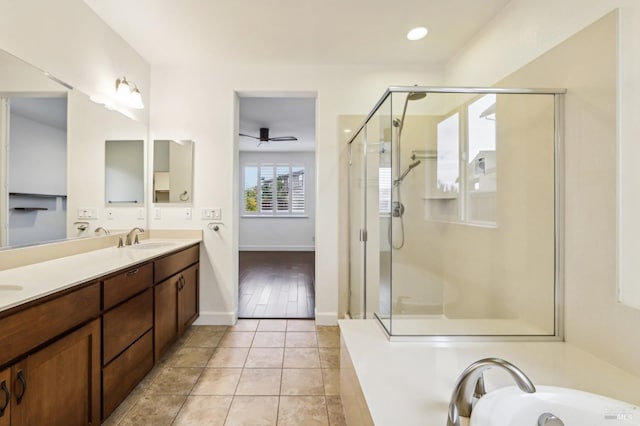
[[132, 272], [23, 381], [7, 397]]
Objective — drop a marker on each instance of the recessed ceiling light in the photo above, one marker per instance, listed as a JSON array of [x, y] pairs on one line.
[[417, 33], [347, 130]]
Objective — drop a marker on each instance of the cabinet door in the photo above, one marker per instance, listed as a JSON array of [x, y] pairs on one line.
[[60, 384], [188, 297], [5, 397], [165, 326]]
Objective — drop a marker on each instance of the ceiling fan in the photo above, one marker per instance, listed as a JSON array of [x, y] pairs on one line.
[[264, 137]]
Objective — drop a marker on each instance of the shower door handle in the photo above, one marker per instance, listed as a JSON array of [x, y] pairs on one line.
[[363, 235]]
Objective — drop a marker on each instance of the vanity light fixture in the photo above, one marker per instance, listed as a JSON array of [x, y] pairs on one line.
[[125, 94], [417, 33]]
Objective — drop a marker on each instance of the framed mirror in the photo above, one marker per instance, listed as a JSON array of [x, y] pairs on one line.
[[173, 171], [124, 172]]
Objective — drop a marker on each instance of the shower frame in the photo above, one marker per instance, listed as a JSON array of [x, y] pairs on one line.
[[558, 103]]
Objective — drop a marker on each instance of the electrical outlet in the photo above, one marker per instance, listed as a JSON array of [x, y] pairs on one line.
[[187, 213], [157, 213], [141, 213]]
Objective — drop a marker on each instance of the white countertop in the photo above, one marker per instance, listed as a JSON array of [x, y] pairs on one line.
[[410, 383], [27, 283]]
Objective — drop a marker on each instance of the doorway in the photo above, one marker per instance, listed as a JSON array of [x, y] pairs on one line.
[[277, 207]]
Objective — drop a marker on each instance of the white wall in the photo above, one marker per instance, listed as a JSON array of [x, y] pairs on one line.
[[280, 234], [204, 108], [37, 157], [594, 319], [68, 40]]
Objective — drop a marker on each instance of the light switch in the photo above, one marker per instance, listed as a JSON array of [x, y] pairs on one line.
[[141, 213], [217, 214], [87, 213], [157, 213]]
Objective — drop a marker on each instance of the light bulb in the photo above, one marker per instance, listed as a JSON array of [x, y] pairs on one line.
[[123, 91], [417, 33], [135, 99]]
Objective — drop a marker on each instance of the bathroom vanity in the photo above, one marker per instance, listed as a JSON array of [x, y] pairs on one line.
[[78, 333]]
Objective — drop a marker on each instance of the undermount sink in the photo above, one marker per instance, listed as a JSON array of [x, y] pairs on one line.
[[9, 287], [510, 406], [152, 245]]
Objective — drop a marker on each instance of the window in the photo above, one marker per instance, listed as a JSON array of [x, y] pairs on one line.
[[274, 190], [465, 190], [384, 194]]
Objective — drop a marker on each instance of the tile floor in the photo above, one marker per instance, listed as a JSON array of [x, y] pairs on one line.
[[258, 372]]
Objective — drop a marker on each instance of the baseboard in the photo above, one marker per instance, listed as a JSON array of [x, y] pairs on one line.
[[277, 248], [216, 318], [326, 318]]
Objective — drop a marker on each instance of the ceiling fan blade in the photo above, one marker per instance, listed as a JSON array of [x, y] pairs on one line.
[[248, 136], [284, 139]]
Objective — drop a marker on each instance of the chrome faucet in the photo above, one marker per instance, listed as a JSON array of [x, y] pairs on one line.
[[100, 228], [130, 236], [470, 384]]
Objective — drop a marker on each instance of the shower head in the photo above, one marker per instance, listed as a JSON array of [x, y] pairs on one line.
[[416, 96], [406, 172]]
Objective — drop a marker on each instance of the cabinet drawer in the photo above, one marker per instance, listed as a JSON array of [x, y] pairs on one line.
[[125, 372], [122, 286], [122, 325], [33, 326], [169, 265]]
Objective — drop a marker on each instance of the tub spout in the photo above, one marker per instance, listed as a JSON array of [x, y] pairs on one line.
[[470, 384]]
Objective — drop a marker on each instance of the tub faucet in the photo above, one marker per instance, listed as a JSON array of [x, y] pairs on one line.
[[131, 234], [470, 384]]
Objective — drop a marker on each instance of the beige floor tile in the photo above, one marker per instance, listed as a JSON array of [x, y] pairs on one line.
[[301, 325], [328, 337], [174, 381], [253, 410], [302, 381], [269, 339], [217, 381], [301, 339], [331, 379], [154, 410], [272, 325], [228, 357], [204, 339], [264, 358], [302, 410], [245, 325], [118, 414], [259, 381], [330, 357], [237, 339], [301, 358], [204, 410], [336, 411], [190, 357], [209, 328]]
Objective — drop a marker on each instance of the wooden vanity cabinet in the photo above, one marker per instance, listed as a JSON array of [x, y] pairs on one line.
[[5, 397], [127, 320], [59, 384], [176, 296]]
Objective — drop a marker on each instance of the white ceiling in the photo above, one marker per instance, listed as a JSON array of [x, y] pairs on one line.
[[295, 31], [283, 117]]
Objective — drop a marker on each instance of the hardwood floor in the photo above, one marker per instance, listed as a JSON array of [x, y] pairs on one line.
[[276, 284]]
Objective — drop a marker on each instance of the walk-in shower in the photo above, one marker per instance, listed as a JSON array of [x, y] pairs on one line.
[[454, 213]]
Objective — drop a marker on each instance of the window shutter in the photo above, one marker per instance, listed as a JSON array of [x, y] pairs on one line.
[[250, 195], [282, 192], [297, 190], [266, 189], [384, 194]]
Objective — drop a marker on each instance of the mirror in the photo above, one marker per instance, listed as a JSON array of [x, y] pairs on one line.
[[172, 171], [124, 172], [52, 151]]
